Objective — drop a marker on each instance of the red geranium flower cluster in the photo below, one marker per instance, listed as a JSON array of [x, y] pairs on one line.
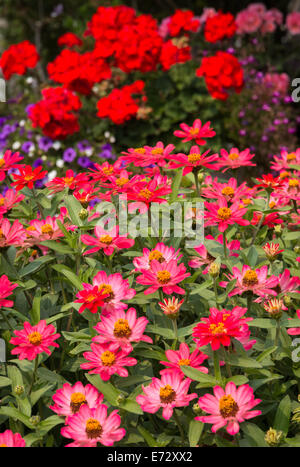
[[219, 26], [120, 105], [17, 58], [183, 22], [69, 39], [172, 53], [78, 72], [222, 72], [55, 113]]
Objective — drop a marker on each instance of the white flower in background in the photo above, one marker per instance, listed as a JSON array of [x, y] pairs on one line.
[[60, 163], [89, 152], [29, 80], [22, 122], [56, 145], [52, 174], [44, 157], [107, 134], [112, 139], [16, 145]]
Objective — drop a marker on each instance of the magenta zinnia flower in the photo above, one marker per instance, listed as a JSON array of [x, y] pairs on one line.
[[295, 331], [193, 161], [91, 298], [161, 253], [8, 439], [221, 215], [6, 289], [167, 393], [69, 399], [11, 234], [33, 340], [108, 241], [234, 159], [178, 358], [164, 275], [107, 359], [255, 281], [9, 161], [90, 426], [197, 132], [117, 289], [229, 407]]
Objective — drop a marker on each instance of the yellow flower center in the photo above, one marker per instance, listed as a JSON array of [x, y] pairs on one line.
[[284, 174], [3, 445], [108, 170], [194, 157], [68, 180], [167, 394], [228, 407], [272, 204], [35, 338], [291, 156], [108, 358], [163, 277], [77, 400], [224, 213], [228, 191], [122, 181], [233, 156], [140, 150], [107, 289], [2, 162], [47, 229], [194, 131], [91, 297], [293, 182], [246, 201], [250, 278], [157, 151], [122, 329], [146, 193], [27, 178], [184, 361], [107, 239], [217, 328], [1, 234], [2, 199], [93, 428], [155, 254]]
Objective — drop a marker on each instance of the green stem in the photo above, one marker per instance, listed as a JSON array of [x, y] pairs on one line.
[[197, 184], [36, 363], [179, 426], [217, 369], [249, 302], [174, 322], [225, 244], [6, 320], [215, 290], [228, 368]]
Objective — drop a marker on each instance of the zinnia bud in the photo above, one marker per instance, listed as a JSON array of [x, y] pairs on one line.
[[273, 437]]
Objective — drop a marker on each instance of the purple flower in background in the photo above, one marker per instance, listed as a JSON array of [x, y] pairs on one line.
[[58, 10], [28, 107], [85, 162], [69, 155], [45, 143], [94, 201], [37, 163], [27, 146], [83, 145]]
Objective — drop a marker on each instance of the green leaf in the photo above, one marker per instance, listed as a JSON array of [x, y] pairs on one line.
[[243, 362], [35, 313], [69, 274], [254, 435], [197, 375], [35, 265], [108, 390], [195, 431], [282, 417], [175, 186], [266, 353], [49, 423], [131, 406], [16, 414], [36, 395], [165, 332], [238, 380], [57, 246], [74, 207], [147, 437], [4, 382], [263, 323]]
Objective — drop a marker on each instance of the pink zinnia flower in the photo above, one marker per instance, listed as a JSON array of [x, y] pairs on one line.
[[230, 190], [41, 230], [167, 393], [27, 177], [295, 331], [221, 215], [117, 289], [285, 160], [221, 327], [11, 234], [193, 161], [229, 408], [10, 199], [8, 439], [105, 240], [33, 340], [234, 159], [69, 399], [149, 192], [106, 360], [90, 426], [9, 161], [205, 258], [160, 252], [164, 275], [70, 181], [255, 281], [6, 289], [122, 328], [178, 358], [197, 132], [288, 284], [293, 23], [143, 157]]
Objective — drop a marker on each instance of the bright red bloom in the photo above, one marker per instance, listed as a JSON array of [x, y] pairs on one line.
[[91, 297], [69, 39], [268, 181], [150, 192], [219, 26], [11, 234], [8, 161], [193, 161], [270, 219], [143, 157], [28, 177], [222, 72], [70, 181], [183, 21], [33, 340], [197, 132], [6, 289], [18, 58], [172, 53], [221, 215]]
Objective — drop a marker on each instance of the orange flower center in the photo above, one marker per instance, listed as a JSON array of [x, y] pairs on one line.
[[47, 229], [217, 328], [224, 213], [246, 201], [233, 156], [1, 233], [28, 177], [250, 278], [163, 277], [284, 174], [3, 445], [2, 199], [91, 297], [293, 182], [122, 329], [146, 193], [68, 180], [108, 170], [228, 407], [35, 338], [272, 204], [194, 157], [140, 150], [228, 191], [107, 289], [107, 239], [291, 156], [77, 400], [93, 428], [155, 254], [157, 151], [184, 361], [122, 181], [194, 131], [167, 394], [108, 358], [2, 162]]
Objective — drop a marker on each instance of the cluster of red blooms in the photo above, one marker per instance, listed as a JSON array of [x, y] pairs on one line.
[[183, 22], [78, 72], [18, 58], [121, 105], [55, 113], [222, 72], [172, 53], [219, 26], [69, 39]]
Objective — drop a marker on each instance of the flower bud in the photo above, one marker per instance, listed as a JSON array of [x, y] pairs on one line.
[[197, 410], [83, 214], [273, 437], [200, 177], [287, 300], [120, 399], [278, 229], [19, 390], [35, 420], [214, 269]]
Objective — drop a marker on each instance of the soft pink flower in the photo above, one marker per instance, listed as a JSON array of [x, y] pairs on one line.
[[164, 275], [10, 199], [167, 393], [221, 215], [33, 340], [287, 284], [160, 252], [234, 159], [229, 408], [197, 132], [255, 281], [295, 331], [6, 289], [116, 287], [11, 234], [293, 22], [105, 240], [8, 439], [90, 426], [178, 358], [9, 161], [248, 21], [230, 190], [285, 160], [193, 161]]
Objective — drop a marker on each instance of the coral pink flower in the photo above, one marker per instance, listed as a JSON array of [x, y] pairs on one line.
[[9, 161], [28, 177], [8, 439], [293, 22], [117, 289], [248, 21], [160, 252], [105, 240], [8, 201], [255, 281], [171, 306], [143, 157], [272, 250], [230, 190], [295, 331], [197, 132], [69, 399], [193, 161], [33, 340], [221, 327], [164, 275], [6, 289], [91, 298], [287, 284], [149, 192], [122, 328], [234, 159], [11, 234], [70, 181], [41, 230], [178, 358], [90, 426], [167, 393], [107, 359], [221, 215], [229, 408], [285, 160], [205, 258], [102, 172]]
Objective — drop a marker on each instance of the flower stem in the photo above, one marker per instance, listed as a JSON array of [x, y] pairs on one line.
[[225, 244], [174, 322], [217, 366], [179, 426], [197, 184], [36, 363]]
